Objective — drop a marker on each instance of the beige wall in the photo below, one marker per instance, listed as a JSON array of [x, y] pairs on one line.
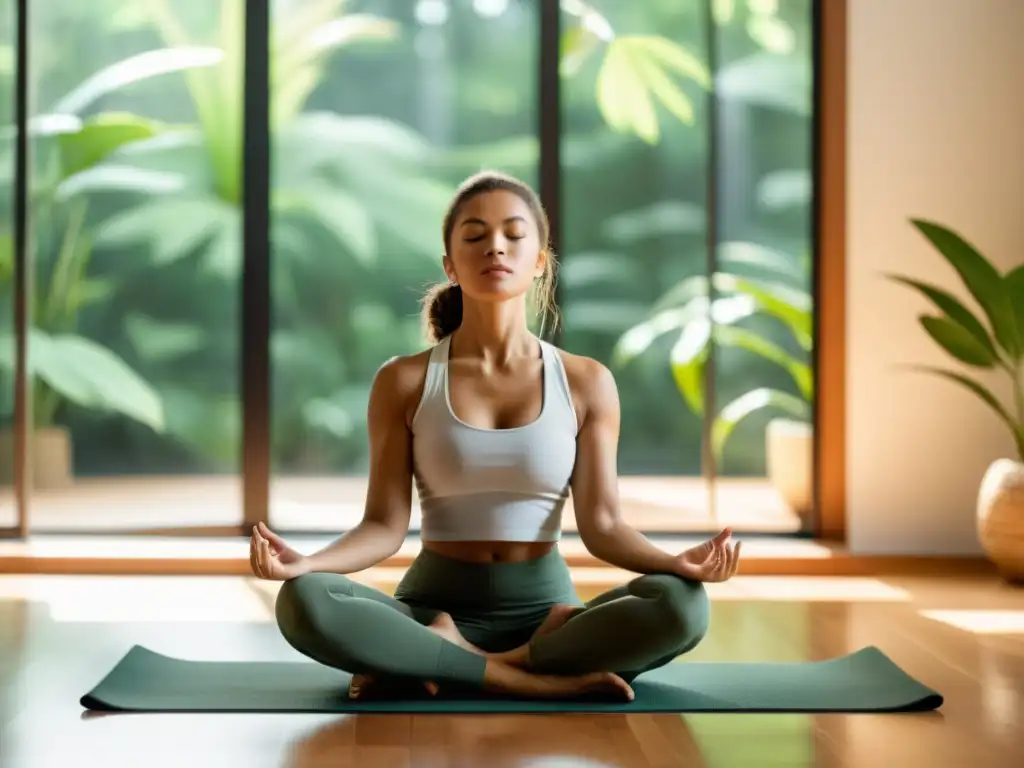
[[935, 129]]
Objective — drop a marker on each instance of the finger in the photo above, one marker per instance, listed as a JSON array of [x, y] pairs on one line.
[[723, 536], [254, 547], [726, 566], [252, 557], [276, 542], [720, 566], [709, 558], [267, 560], [736, 559], [269, 534]]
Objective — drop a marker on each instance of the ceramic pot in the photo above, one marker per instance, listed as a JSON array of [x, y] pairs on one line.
[[50, 450], [1001, 518], [789, 455]]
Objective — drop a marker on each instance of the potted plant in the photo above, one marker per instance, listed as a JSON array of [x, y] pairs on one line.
[[702, 321], [993, 342], [63, 365]]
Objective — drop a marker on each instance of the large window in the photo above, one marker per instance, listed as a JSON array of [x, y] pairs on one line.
[[134, 259], [413, 97], [671, 140]]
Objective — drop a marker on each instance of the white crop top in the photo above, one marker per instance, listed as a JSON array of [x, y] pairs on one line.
[[478, 484]]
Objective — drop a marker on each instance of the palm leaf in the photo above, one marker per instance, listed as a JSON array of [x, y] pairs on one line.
[[958, 341], [982, 280], [791, 306], [749, 403], [135, 69], [952, 307], [1015, 288], [741, 338]]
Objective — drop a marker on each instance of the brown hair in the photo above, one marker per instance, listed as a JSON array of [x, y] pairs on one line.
[[442, 306]]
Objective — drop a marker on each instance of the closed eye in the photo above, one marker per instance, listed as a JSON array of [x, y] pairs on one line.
[[478, 238]]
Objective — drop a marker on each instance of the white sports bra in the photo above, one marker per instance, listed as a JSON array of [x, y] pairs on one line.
[[479, 484]]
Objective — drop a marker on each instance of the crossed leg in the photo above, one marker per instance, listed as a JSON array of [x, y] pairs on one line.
[[627, 630], [353, 627]]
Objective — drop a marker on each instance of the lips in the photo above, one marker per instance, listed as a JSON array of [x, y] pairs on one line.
[[499, 268]]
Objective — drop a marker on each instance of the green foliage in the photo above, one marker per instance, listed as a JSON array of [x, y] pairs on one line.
[[139, 238], [636, 73], [997, 345], [707, 313], [66, 366], [86, 374]]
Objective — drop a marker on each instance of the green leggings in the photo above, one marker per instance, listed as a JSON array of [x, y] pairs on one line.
[[628, 630]]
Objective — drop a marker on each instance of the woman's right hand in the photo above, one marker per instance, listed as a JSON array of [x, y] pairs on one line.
[[271, 558]]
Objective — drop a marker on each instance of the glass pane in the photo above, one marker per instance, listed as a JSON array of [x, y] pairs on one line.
[[763, 386], [381, 108], [635, 170], [137, 231]]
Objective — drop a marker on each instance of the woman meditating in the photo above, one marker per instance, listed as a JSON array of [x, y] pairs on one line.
[[495, 427]]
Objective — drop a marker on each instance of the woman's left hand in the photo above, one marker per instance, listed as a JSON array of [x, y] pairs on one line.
[[714, 560]]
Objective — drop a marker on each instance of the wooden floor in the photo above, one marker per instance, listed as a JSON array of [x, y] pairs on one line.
[[316, 504], [963, 636]]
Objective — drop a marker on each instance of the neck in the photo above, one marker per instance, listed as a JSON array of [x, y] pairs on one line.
[[495, 332]]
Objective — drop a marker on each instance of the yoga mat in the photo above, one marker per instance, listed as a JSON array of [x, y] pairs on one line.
[[864, 681]]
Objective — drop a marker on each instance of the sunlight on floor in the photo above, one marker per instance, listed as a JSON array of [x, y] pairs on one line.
[[139, 599], [981, 622], [823, 588]]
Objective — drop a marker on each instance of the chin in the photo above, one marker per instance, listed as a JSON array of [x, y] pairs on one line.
[[495, 292]]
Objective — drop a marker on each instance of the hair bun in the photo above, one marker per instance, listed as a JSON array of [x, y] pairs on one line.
[[442, 313]]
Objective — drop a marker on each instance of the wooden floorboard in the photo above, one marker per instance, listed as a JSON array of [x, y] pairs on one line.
[[963, 636], [152, 555]]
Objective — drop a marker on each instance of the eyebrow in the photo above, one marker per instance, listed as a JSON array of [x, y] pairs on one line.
[[484, 223]]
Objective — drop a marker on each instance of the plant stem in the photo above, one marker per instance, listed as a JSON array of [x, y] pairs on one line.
[[1018, 390], [1018, 395], [45, 402], [59, 310]]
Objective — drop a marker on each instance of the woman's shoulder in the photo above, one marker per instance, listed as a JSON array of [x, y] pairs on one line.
[[591, 382], [403, 371], [402, 377]]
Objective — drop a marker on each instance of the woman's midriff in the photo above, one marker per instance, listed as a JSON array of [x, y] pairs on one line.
[[491, 551]]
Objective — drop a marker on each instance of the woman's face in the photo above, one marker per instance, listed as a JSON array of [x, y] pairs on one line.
[[495, 251]]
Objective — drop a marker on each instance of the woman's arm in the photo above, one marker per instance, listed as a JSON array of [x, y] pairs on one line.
[[595, 480], [385, 522]]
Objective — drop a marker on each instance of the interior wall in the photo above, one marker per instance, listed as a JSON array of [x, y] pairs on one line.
[[935, 124]]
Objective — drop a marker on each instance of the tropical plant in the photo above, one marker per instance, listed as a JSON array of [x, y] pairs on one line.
[[63, 364], [706, 313], [342, 174], [636, 72], [338, 182], [993, 342]]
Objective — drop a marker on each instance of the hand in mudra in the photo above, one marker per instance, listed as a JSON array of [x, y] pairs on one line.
[[271, 558], [714, 560]]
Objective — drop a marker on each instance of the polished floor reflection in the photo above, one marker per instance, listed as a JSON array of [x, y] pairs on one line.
[[962, 636]]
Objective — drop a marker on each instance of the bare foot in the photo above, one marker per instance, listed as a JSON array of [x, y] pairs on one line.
[[362, 683], [520, 657], [507, 678], [443, 625], [557, 616]]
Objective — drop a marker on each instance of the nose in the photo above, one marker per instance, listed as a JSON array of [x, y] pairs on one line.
[[496, 245]]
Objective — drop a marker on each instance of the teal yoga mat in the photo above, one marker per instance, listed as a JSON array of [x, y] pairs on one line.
[[864, 681]]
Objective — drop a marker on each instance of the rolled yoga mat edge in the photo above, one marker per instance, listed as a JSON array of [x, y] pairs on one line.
[[863, 681]]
